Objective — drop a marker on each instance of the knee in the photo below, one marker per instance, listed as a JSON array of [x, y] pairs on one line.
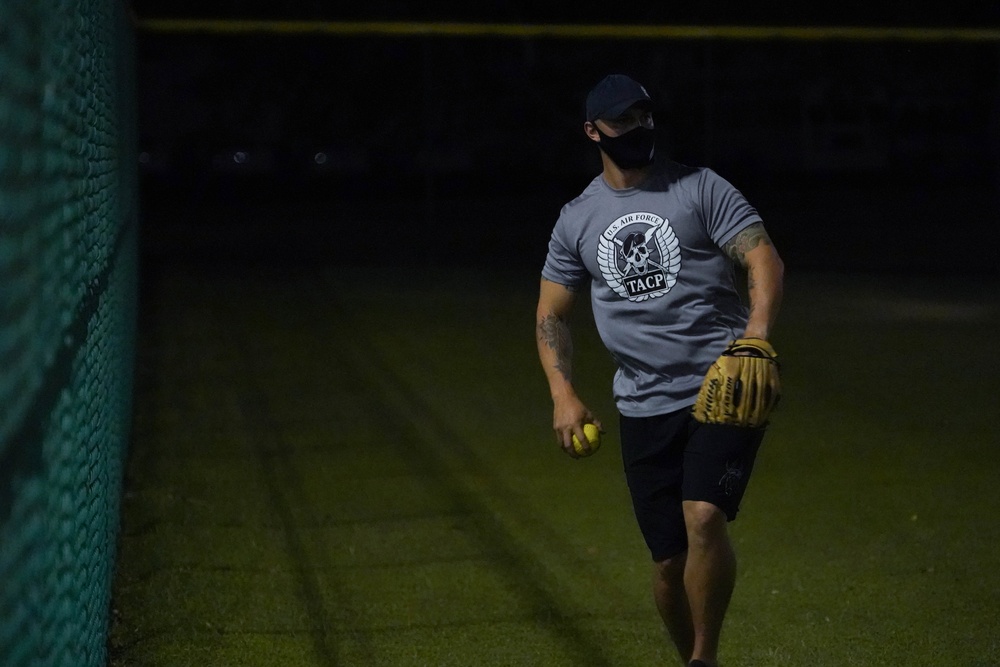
[[705, 522], [671, 569]]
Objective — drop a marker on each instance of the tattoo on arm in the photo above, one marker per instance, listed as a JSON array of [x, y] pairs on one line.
[[555, 334], [748, 239]]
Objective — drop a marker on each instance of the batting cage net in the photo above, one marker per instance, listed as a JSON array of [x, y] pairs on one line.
[[68, 269]]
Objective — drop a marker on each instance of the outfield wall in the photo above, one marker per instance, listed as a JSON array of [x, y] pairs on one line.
[[864, 148]]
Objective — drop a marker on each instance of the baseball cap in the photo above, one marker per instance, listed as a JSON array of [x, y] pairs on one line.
[[613, 95]]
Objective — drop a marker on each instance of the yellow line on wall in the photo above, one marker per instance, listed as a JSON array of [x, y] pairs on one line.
[[572, 31]]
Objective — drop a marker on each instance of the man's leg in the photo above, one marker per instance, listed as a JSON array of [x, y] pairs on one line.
[[653, 453], [709, 576], [672, 603], [718, 461]]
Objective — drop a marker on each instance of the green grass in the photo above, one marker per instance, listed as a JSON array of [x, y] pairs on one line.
[[351, 468]]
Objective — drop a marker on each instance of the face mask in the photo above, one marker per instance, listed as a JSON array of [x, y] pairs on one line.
[[631, 150]]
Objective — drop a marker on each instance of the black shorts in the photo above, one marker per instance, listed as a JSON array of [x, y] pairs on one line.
[[672, 458]]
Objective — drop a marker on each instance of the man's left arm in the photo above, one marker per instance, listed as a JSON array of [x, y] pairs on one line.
[[752, 249]]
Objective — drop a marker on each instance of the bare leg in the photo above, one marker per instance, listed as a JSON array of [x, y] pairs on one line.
[[709, 577], [672, 603]]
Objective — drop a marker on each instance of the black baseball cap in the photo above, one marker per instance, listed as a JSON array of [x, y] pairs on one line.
[[613, 96]]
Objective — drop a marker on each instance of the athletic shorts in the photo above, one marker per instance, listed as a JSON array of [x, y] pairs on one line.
[[672, 458]]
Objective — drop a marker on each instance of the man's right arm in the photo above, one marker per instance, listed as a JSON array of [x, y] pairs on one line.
[[555, 351]]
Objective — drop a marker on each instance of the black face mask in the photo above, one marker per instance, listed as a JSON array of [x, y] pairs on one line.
[[631, 150]]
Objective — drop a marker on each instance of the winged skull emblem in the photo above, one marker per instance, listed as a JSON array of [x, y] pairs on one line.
[[641, 277]]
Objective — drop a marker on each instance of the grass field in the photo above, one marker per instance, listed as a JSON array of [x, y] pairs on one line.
[[355, 468]]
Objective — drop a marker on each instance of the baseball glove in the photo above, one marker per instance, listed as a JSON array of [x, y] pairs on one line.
[[742, 386]]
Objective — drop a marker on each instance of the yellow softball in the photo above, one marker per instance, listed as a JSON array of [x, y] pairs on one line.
[[593, 437]]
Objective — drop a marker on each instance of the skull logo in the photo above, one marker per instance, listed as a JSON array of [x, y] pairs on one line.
[[636, 253], [639, 256]]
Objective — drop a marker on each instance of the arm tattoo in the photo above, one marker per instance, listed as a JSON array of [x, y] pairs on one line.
[[748, 239], [751, 284], [555, 334]]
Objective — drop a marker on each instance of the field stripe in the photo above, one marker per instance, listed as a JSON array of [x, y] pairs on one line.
[[428, 433], [283, 485]]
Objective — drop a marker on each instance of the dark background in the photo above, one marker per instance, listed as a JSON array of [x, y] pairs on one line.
[[372, 150]]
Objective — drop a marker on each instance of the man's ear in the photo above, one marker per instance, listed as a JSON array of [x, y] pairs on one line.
[[591, 131]]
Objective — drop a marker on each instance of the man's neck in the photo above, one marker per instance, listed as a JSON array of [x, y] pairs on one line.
[[623, 179]]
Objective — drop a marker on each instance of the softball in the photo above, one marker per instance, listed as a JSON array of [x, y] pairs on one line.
[[593, 437]]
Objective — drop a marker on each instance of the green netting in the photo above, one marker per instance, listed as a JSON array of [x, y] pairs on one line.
[[68, 269]]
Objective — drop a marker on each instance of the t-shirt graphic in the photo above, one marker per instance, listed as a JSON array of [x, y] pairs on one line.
[[639, 256], [663, 291]]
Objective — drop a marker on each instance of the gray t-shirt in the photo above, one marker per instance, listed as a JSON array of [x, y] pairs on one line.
[[663, 291]]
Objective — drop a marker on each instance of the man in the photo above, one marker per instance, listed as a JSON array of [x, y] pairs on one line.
[[658, 243]]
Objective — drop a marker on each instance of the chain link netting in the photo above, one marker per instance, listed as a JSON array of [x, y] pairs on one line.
[[68, 272]]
